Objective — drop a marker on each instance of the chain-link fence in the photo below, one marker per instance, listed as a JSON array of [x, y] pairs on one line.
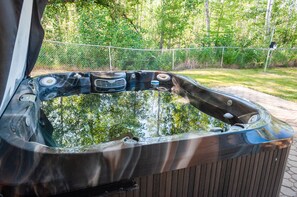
[[81, 56]]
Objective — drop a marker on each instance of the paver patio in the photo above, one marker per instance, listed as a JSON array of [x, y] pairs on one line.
[[283, 110]]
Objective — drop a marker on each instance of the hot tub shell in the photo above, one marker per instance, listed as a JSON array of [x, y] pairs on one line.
[[248, 162]]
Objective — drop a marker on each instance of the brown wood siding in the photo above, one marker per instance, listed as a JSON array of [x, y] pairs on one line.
[[252, 175]]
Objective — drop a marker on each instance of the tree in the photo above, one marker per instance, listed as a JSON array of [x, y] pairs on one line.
[[173, 18], [268, 16], [207, 17], [172, 23]]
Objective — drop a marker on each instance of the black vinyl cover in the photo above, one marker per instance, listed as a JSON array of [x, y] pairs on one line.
[[10, 11]]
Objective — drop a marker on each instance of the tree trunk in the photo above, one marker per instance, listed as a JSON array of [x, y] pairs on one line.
[[162, 24], [220, 20], [207, 18], [268, 16], [257, 8], [290, 4], [161, 40], [290, 11]]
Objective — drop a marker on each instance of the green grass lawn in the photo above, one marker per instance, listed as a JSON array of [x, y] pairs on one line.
[[281, 82]]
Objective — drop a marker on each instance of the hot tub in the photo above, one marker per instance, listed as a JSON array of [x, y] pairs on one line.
[[137, 133]]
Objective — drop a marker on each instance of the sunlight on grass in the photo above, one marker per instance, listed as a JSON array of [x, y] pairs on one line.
[[281, 82]]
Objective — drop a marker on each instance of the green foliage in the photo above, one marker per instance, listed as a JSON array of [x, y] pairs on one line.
[[75, 56], [175, 22], [166, 24], [89, 23]]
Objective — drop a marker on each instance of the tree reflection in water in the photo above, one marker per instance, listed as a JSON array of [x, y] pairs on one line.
[[82, 120]]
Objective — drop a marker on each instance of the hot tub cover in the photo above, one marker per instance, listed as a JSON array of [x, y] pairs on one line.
[[20, 42]]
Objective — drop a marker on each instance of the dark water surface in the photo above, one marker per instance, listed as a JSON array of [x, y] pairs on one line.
[[83, 120]]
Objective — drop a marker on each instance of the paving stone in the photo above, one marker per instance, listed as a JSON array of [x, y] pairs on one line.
[[288, 191], [292, 157], [293, 163], [294, 169], [286, 111], [287, 175], [287, 183], [293, 152], [289, 165]]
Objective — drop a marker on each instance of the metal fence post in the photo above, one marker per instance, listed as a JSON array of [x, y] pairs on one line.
[[173, 53], [269, 51], [267, 59], [222, 58], [109, 53]]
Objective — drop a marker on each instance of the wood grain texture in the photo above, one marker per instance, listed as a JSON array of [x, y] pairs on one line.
[[252, 175]]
